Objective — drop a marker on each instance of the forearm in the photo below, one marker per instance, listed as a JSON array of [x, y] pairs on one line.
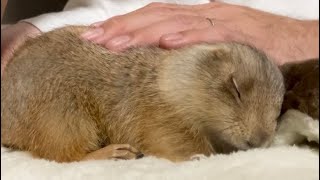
[[3, 7]]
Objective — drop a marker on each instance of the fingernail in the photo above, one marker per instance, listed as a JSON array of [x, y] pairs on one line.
[[172, 37], [97, 24], [119, 41], [93, 33]]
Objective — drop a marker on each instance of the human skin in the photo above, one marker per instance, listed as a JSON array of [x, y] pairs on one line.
[[3, 7], [284, 39], [169, 26], [12, 37]]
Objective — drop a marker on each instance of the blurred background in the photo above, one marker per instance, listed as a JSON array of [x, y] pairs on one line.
[[21, 9]]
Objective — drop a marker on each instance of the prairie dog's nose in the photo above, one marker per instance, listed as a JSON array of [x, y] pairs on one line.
[[258, 139]]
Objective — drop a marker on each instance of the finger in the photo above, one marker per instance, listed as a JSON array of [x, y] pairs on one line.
[[150, 14], [132, 21], [206, 35], [151, 34], [128, 23]]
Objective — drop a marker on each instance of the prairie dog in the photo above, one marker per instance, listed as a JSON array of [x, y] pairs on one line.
[[302, 87], [63, 98]]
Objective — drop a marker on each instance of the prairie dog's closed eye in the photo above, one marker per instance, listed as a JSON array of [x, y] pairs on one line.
[[78, 97], [236, 90]]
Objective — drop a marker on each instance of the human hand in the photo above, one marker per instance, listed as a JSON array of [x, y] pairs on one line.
[[12, 37], [173, 26]]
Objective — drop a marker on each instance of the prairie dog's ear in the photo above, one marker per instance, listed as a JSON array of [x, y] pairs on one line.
[[191, 69]]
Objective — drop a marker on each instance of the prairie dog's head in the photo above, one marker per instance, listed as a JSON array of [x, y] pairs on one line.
[[231, 91]]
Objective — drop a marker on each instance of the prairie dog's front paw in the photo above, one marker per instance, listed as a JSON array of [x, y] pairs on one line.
[[115, 152]]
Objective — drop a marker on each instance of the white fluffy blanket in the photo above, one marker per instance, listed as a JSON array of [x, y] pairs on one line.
[[276, 163], [268, 164]]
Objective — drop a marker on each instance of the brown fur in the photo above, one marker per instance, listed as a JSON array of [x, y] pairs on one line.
[[63, 98], [302, 87]]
